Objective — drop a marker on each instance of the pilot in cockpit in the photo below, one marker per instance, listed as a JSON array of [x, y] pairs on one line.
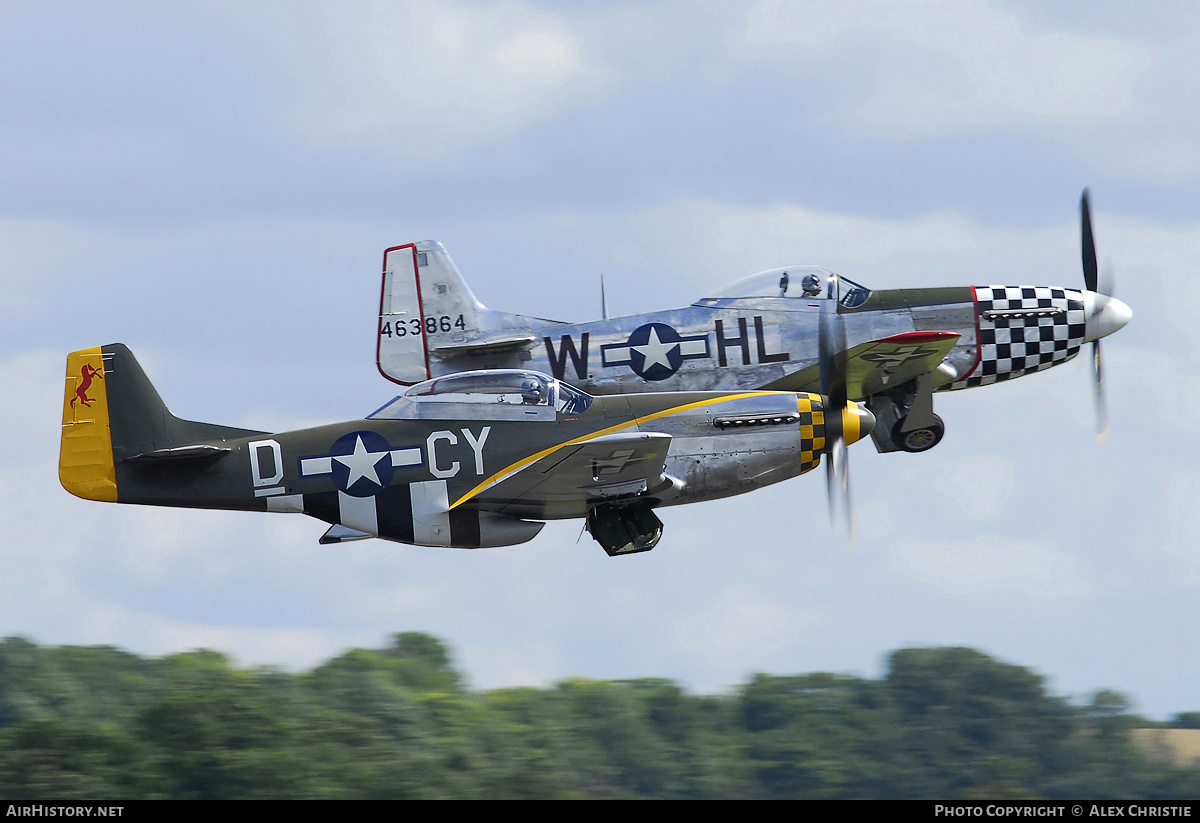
[[533, 393], [812, 285]]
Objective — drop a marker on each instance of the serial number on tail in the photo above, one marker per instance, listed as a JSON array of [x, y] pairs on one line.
[[432, 325]]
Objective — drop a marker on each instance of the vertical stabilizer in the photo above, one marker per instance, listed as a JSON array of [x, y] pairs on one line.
[[424, 302], [430, 323]]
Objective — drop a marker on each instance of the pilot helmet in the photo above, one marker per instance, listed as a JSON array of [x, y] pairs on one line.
[[811, 284], [532, 391]]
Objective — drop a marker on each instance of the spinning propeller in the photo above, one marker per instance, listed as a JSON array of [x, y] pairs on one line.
[[1105, 313], [839, 414]]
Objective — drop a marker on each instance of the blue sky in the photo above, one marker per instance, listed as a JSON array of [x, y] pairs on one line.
[[214, 185]]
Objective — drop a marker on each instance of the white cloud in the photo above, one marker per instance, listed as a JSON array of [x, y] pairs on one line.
[[873, 521], [397, 601], [709, 243], [1183, 517], [979, 486], [741, 627], [948, 68], [1164, 160], [429, 78], [1165, 387], [990, 564], [152, 538]]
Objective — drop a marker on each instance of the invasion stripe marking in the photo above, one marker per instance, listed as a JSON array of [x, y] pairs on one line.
[[430, 515], [358, 513]]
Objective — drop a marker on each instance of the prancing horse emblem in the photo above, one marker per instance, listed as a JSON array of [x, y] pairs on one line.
[[86, 374]]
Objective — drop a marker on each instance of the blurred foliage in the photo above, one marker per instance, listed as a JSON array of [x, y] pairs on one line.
[[1186, 720], [398, 723]]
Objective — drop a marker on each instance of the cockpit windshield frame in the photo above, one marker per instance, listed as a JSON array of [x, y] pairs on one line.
[[499, 394], [851, 295], [795, 282], [501, 386]]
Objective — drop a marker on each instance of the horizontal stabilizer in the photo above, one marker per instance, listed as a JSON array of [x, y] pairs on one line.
[[199, 452], [483, 345]]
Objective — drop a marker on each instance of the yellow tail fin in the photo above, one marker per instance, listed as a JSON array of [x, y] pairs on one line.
[[85, 461]]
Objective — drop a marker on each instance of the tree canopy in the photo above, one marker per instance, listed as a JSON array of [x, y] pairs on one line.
[[397, 722]]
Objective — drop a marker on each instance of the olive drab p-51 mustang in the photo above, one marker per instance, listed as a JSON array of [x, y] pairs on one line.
[[469, 460], [767, 331]]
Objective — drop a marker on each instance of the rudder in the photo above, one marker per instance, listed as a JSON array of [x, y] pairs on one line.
[[85, 460]]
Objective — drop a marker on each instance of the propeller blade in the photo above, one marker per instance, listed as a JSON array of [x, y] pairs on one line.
[[832, 358], [831, 484], [1102, 425], [1089, 243], [1091, 280], [837, 482], [1108, 279], [831, 354]]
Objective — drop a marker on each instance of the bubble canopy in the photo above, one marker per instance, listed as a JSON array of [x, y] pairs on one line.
[[501, 387], [799, 282]]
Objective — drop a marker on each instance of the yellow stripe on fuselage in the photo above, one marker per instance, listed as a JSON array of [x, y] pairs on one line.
[[504, 474], [85, 459]]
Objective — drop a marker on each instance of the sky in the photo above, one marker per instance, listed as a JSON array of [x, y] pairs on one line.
[[214, 184]]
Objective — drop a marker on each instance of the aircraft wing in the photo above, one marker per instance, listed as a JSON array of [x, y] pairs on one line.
[[876, 365], [575, 476]]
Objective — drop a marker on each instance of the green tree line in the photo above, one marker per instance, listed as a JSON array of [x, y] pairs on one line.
[[101, 723]]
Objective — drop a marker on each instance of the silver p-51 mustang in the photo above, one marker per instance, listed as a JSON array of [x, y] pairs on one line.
[[772, 330]]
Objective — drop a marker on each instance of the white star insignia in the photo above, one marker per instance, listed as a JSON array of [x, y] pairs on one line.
[[361, 463], [655, 351]]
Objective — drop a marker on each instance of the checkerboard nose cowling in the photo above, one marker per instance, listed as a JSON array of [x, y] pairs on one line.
[[1024, 329]]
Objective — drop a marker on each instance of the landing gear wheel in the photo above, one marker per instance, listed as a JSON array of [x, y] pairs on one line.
[[918, 440]]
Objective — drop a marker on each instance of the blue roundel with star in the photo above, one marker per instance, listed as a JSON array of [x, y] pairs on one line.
[[654, 351], [361, 463]]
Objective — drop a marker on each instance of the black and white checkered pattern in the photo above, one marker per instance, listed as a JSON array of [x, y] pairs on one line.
[[1017, 345]]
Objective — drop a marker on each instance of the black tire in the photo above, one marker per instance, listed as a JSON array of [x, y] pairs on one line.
[[918, 440]]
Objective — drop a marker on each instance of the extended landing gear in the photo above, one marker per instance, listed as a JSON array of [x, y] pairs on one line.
[[922, 438], [625, 528], [906, 421]]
